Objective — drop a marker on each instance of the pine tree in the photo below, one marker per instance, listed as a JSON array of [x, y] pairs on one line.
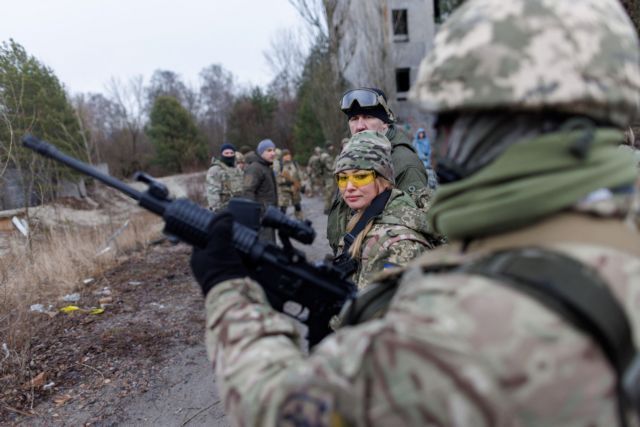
[[173, 132]]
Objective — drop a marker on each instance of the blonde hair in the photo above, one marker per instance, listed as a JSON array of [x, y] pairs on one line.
[[382, 184]]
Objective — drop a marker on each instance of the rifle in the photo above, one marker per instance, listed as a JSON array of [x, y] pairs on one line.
[[318, 291]]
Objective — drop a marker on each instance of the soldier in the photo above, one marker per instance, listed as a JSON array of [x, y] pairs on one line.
[[224, 180], [240, 161], [314, 169], [367, 109], [289, 184], [277, 162], [522, 318], [327, 167], [391, 230]]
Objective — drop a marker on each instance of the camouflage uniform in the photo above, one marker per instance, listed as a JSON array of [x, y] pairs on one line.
[[400, 232], [222, 183], [457, 349], [314, 167], [410, 177], [289, 184], [397, 236], [240, 161], [327, 163]]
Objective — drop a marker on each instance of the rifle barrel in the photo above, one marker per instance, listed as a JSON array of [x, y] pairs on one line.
[[48, 150]]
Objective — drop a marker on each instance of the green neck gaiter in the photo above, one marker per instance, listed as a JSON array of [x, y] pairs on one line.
[[530, 180]]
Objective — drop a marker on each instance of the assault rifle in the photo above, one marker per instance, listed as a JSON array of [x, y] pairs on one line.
[[317, 291]]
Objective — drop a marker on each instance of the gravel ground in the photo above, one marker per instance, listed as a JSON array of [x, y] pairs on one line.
[[140, 363]]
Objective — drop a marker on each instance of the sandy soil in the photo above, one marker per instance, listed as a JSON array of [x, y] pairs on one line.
[[141, 362]]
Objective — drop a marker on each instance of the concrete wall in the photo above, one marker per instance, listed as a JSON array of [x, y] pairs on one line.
[[370, 54], [12, 191]]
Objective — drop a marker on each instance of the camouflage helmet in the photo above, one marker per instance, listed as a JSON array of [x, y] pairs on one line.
[[317, 150], [367, 150], [576, 57]]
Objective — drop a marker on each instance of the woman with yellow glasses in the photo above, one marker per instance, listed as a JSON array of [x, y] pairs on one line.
[[386, 228]]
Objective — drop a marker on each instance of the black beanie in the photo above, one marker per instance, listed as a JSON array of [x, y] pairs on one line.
[[227, 146]]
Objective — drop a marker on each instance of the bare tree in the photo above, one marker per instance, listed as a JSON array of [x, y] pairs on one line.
[[216, 99], [130, 100], [315, 14], [286, 56]]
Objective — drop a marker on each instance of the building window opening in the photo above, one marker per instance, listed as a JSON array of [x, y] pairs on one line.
[[443, 8], [403, 82], [400, 25]]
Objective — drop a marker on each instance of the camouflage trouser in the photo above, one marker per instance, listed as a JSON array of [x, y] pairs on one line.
[[290, 198], [330, 188], [317, 185]]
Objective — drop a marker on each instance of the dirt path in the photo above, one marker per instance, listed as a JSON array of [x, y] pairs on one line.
[[141, 362]]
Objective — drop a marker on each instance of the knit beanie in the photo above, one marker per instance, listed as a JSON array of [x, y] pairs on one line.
[[227, 146], [367, 150], [263, 145]]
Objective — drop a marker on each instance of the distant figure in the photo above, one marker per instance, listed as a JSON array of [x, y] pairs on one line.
[[314, 169], [260, 182], [327, 166], [423, 147], [240, 161], [224, 179], [289, 185]]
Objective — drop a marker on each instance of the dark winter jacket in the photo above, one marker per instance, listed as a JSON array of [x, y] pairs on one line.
[[260, 183]]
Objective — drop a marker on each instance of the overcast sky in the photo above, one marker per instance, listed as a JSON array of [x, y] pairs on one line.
[[86, 42]]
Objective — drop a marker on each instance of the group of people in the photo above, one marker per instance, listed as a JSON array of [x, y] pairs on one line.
[[529, 314], [267, 175]]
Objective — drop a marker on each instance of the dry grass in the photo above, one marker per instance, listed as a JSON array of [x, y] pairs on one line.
[[55, 263], [195, 189]]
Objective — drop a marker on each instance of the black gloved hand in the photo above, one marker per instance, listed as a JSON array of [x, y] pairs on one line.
[[219, 261]]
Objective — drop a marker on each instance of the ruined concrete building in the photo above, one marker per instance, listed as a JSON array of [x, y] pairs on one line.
[[382, 42]]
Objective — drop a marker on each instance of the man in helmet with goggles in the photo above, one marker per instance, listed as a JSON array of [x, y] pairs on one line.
[[367, 109]]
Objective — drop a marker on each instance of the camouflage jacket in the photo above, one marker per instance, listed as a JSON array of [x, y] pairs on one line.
[[288, 178], [327, 163], [451, 350], [315, 166], [222, 183], [410, 176], [397, 236]]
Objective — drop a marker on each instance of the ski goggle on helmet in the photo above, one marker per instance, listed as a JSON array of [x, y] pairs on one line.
[[366, 98]]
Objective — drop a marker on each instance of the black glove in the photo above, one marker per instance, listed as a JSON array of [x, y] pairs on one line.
[[219, 261]]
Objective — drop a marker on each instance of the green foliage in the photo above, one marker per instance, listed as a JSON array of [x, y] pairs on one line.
[[32, 100], [173, 131], [251, 118], [307, 130], [318, 118]]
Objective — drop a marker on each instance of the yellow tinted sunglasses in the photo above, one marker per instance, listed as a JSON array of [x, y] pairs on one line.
[[358, 179]]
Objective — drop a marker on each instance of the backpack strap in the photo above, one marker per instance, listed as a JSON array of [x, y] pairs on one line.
[[578, 294]]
